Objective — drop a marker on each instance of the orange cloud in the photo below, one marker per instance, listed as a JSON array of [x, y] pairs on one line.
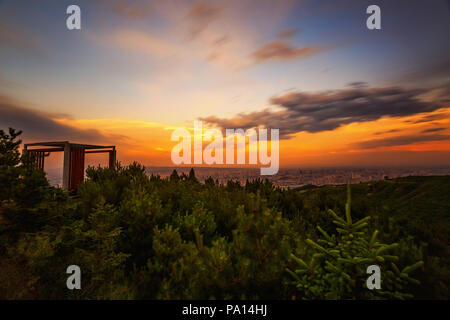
[[282, 51], [131, 11]]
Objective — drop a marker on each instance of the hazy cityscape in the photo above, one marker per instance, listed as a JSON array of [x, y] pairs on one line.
[[287, 177]]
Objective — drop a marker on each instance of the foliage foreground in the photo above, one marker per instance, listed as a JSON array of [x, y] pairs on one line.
[[140, 237]]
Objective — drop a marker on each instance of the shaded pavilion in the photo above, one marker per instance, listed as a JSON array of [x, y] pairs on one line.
[[74, 158]]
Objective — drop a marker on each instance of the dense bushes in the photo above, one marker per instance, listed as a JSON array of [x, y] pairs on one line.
[[140, 237]]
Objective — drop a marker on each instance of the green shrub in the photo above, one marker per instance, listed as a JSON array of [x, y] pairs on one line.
[[338, 263]]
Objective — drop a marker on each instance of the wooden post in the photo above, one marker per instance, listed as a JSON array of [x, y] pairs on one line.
[[76, 167], [112, 158], [66, 166], [41, 159]]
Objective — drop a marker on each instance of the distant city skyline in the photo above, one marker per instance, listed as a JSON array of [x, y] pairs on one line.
[[341, 94], [286, 177]]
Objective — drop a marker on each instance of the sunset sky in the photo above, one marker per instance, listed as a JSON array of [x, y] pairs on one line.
[[341, 95]]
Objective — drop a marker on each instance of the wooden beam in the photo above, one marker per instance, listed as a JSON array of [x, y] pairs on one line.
[[46, 150], [97, 151]]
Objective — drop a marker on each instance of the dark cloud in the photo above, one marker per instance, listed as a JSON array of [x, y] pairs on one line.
[[358, 84], [428, 118], [281, 50], [321, 111], [38, 125], [399, 141], [442, 92], [200, 16], [288, 33], [387, 131], [433, 130]]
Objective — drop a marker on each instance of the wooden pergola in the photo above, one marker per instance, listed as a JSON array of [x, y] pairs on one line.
[[74, 155]]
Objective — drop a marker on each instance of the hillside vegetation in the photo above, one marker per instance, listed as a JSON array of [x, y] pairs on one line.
[[140, 237]]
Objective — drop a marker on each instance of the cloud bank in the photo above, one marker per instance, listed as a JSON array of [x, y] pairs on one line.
[[322, 111], [38, 125]]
